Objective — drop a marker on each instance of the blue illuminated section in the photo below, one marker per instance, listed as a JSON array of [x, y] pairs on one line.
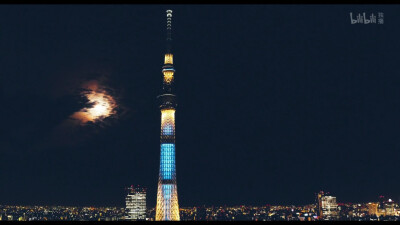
[[168, 129], [167, 166], [167, 193]]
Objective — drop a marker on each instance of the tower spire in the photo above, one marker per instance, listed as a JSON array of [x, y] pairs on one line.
[[169, 30]]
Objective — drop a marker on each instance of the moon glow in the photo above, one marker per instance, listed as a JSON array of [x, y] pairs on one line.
[[100, 104]]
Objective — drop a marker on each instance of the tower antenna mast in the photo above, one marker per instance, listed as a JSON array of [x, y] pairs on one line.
[[169, 30]]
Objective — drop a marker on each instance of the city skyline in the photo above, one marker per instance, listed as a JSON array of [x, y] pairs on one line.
[[324, 208], [276, 102]]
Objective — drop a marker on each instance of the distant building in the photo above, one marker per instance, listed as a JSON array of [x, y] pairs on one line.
[[373, 209], [136, 203], [319, 204], [329, 208], [383, 207], [390, 207]]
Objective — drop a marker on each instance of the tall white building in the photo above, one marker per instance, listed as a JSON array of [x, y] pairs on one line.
[[135, 203], [390, 208], [329, 208]]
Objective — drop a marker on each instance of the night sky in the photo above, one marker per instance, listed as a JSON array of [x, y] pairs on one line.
[[275, 103]]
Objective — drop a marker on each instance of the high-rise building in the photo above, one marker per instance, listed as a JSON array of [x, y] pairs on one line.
[[167, 207], [329, 208], [382, 201], [326, 206], [135, 203], [318, 200]]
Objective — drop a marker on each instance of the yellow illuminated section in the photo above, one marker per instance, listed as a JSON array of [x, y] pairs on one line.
[[168, 76], [170, 210], [168, 59], [167, 121]]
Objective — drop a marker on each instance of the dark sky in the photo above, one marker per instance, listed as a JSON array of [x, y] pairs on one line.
[[275, 102]]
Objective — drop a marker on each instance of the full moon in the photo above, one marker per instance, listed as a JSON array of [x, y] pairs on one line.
[[100, 104]]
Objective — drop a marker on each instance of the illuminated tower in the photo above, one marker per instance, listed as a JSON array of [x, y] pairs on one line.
[[167, 207]]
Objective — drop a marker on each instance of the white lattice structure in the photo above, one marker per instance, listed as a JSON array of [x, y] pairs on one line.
[[167, 207]]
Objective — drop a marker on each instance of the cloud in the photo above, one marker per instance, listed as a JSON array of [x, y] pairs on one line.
[[101, 104]]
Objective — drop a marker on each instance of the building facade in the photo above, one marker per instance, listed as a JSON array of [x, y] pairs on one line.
[[373, 209], [390, 208], [167, 207], [329, 208], [326, 207], [135, 203]]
